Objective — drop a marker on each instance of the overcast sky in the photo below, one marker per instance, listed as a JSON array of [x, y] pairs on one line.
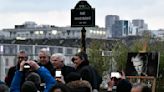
[[57, 12]]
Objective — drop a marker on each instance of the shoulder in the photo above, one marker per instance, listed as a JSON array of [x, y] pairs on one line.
[[12, 67], [68, 67]]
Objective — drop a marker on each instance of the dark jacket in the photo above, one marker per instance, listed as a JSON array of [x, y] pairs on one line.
[[44, 74], [122, 86], [88, 73], [50, 67], [10, 74], [66, 70]]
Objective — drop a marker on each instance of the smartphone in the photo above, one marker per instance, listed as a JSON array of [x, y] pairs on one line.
[[26, 66], [58, 73], [115, 74]]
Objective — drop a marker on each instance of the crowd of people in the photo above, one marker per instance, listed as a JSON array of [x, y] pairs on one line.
[[50, 74]]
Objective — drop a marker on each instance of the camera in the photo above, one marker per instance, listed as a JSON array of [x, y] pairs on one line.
[[115, 76], [26, 67]]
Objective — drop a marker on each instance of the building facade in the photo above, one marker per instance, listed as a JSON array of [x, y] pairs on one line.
[[109, 21], [140, 25], [123, 28], [30, 30]]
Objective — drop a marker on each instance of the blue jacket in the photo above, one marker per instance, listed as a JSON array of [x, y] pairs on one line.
[[44, 74]]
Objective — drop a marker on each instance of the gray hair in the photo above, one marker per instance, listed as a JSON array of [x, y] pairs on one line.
[[45, 51], [59, 55]]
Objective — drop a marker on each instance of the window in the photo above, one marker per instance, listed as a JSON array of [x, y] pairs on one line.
[[10, 49], [38, 48], [60, 50], [53, 50], [28, 49], [7, 62], [69, 51]]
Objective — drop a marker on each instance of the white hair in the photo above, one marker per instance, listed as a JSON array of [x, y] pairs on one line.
[[59, 55], [136, 58]]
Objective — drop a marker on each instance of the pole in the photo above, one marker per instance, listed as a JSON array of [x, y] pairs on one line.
[[83, 42], [2, 64]]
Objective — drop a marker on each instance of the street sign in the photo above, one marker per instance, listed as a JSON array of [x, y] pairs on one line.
[[83, 15]]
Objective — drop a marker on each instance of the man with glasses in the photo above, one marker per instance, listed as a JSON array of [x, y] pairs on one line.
[[21, 56]]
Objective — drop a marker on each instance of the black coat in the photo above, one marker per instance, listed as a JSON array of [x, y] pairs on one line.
[[89, 73], [66, 70], [10, 75]]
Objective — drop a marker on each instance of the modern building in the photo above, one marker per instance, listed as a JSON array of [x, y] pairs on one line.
[[158, 34], [123, 28], [140, 25], [109, 21]]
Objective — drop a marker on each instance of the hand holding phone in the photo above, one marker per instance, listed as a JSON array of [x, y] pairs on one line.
[[58, 74], [115, 75]]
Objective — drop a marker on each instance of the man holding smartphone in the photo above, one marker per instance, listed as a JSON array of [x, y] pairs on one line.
[[118, 83], [62, 70]]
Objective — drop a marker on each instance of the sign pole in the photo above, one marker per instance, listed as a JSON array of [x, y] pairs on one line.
[[83, 15], [83, 40]]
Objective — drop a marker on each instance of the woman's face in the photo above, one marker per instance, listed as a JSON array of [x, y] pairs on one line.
[[77, 61]]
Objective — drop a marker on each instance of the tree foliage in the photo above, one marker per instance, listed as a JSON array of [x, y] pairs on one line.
[[120, 51], [101, 63], [119, 54]]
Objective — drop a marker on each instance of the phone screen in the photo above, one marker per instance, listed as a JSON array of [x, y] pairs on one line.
[[58, 73], [115, 74]]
